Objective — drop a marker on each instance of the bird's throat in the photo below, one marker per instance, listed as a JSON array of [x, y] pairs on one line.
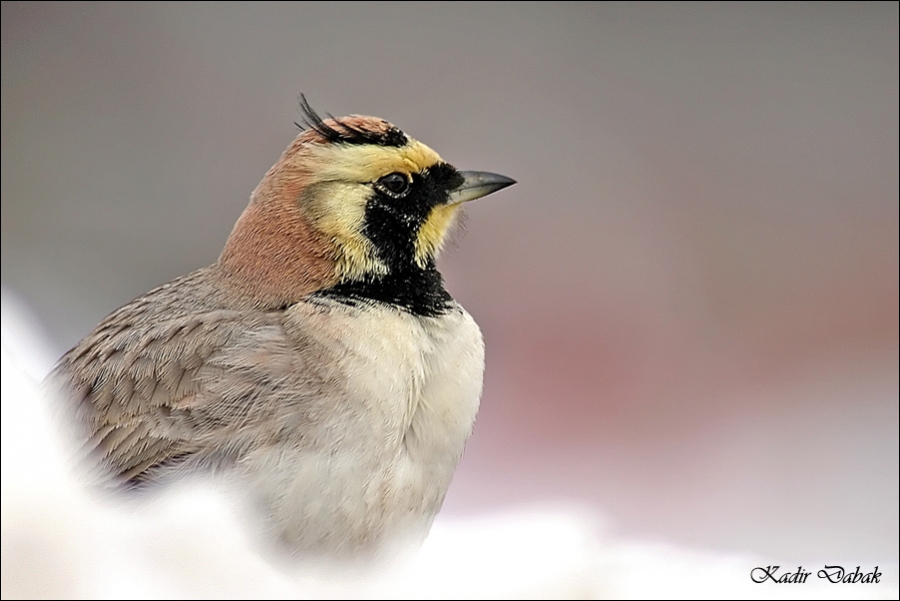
[[419, 291]]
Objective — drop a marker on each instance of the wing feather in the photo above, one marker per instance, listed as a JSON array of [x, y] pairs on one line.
[[155, 387]]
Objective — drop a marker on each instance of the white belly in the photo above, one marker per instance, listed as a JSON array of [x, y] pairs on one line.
[[375, 464]]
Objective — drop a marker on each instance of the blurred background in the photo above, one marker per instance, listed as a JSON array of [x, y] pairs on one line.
[[689, 301]]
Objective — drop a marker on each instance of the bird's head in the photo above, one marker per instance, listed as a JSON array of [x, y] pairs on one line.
[[351, 199]]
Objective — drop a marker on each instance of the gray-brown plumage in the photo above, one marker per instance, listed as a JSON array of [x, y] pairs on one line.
[[171, 378], [319, 363]]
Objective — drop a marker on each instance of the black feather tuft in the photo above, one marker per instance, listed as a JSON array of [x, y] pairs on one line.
[[345, 133]]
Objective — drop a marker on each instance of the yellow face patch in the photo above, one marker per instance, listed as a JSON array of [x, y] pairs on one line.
[[434, 231], [366, 163], [338, 209], [340, 187]]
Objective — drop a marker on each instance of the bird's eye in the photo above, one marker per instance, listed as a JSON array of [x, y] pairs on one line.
[[395, 184]]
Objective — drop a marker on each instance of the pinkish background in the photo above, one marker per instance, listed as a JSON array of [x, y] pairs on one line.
[[690, 300]]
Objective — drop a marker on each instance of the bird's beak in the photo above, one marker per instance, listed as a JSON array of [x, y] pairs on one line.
[[478, 184]]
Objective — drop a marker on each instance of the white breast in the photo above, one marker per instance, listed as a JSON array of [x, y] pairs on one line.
[[377, 460]]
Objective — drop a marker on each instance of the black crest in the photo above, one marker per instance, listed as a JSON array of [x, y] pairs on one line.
[[347, 134]]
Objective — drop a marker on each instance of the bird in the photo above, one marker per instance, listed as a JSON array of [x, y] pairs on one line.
[[319, 365]]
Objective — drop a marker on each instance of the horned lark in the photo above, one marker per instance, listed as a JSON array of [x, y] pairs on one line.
[[320, 363]]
